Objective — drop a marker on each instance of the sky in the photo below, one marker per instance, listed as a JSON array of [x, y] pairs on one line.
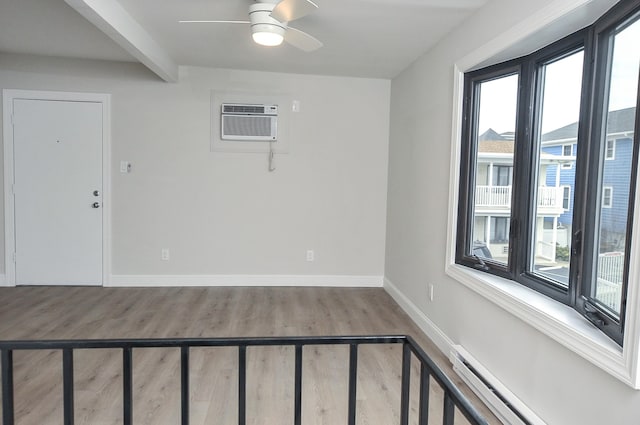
[[561, 100]]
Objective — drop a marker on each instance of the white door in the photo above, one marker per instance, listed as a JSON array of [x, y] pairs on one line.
[[57, 150]]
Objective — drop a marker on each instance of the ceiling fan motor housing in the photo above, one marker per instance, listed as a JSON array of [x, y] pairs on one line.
[[262, 22]]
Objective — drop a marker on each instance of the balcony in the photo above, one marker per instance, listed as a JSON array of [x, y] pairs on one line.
[[498, 199]]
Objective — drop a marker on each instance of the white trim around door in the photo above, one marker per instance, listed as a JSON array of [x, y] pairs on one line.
[[9, 96]]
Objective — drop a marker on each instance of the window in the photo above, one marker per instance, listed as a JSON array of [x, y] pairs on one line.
[[607, 197], [499, 230], [610, 149], [566, 197], [549, 225], [502, 175]]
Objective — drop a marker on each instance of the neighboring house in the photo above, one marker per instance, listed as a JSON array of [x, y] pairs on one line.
[[555, 193], [493, 196], [617, 168], [618, 154]]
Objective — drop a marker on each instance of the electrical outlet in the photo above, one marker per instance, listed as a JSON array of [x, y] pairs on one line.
[[310, 255], [430, 292], [165, 254]]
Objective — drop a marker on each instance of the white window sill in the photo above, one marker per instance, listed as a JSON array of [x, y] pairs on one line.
[[556, 320]]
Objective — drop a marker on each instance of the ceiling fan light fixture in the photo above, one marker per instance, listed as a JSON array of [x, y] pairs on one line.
[[268, 35]]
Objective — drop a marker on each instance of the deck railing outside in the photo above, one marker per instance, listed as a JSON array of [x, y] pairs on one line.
[[500, 196], [428, 369]]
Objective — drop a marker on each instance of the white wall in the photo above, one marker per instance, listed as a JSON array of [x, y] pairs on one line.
[[561, 387], [224, 213]]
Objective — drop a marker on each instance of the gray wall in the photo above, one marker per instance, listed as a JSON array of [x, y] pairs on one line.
[[224, 213], [561, 387]]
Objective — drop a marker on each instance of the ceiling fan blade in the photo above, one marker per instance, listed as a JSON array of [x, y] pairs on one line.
[[214, 22], [289, 10], [302, 40]]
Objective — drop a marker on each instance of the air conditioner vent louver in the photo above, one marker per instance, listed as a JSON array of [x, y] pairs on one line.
[[243, 109], [248, 122]]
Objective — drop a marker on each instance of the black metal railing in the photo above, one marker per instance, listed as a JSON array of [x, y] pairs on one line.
[[428, 369]]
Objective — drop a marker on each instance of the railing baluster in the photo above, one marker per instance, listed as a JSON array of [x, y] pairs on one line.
[[448, 414], [298, 386], [127, 384], [242, 384], [67, 384], [7, 387], [405, 386], [353, 382], [423, 415], [184, 385]]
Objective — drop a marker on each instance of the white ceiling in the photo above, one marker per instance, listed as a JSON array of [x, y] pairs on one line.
[[362, 38]]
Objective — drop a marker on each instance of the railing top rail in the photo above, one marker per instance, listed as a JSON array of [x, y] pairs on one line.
[[59, 344]]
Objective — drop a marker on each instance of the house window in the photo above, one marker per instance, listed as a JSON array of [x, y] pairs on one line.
[[499, 230], [607, 197], [566, 197], [610, 149], [585, 88], [502, 175]]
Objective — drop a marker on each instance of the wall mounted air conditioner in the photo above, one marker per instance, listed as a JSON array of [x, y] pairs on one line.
[[246, 122]]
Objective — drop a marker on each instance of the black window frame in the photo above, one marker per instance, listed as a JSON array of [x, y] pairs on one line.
[[592, 150]]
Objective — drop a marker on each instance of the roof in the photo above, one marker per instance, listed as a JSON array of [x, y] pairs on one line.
[[619, 121], [491, 134], [495, 146]]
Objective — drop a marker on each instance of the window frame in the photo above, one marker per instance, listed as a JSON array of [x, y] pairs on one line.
[[560, 323], [467, 183], [530, 67], [530, 89]]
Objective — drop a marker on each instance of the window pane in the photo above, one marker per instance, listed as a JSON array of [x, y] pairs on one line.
[[494, 167], [555, 175], [617, 170]]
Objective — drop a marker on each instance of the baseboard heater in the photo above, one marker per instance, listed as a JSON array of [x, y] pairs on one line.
[[502, 402]]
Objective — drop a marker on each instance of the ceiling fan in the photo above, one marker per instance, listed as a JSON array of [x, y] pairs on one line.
[[269, 20]]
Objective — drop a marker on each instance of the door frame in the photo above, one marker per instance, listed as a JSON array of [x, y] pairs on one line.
[[8, 96]]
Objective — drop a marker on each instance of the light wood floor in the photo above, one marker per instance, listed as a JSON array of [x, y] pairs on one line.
[[77, 313]]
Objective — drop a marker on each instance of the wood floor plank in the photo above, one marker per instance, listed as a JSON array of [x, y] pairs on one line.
[[87, 313]]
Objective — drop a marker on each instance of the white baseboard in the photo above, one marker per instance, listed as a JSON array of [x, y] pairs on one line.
[[3, 280], [339, 281], [441, 340]]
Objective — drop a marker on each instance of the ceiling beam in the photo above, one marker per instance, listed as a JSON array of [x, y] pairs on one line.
[[110, 17]]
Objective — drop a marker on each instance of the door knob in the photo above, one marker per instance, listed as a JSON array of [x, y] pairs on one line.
[[95, 205], [96, 193]]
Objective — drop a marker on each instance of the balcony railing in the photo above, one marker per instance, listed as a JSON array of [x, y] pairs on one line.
[[500, 196], [610, 279], [429, 371]]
